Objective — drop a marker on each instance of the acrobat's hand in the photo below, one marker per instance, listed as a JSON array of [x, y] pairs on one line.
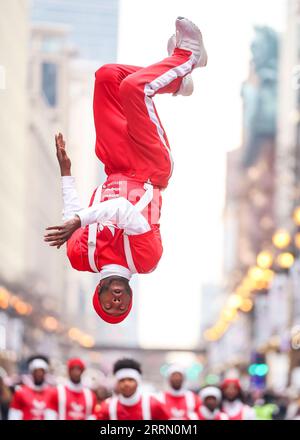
[[62, 233], [62, 157]]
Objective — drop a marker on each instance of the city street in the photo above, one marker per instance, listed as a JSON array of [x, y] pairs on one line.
[[150, 223]]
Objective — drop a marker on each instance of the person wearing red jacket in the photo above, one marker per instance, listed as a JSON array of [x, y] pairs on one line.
[[72, 401], [233, 401], [30, 399], [118, 235], [182, 403], [210, 408], [130, 403]]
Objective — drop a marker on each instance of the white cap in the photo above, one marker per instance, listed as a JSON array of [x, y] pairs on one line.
[[211, 392], [175, 368], [38, 363], [110, 270], [128, 373]]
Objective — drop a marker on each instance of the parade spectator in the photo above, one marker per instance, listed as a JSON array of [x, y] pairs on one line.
[[71, 401], [233, 401], [210, 408], [182, 403], [30, 399], [130, 403]]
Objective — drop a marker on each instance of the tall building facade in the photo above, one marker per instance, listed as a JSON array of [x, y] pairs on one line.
[[48, 78], [92, 32], [13, 172], [249, 214], [288, 144], [93, 24], [13, 129]]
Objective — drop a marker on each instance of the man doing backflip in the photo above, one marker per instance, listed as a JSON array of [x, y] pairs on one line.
[[118, 234]]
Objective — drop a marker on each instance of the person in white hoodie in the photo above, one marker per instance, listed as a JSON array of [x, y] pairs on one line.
[[30, 399], [210, 408], [71, 401], [182, 403], [233, 401]]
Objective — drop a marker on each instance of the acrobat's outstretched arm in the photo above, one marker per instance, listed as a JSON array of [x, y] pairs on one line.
[[119, 211], [62, 156], [70, 198]]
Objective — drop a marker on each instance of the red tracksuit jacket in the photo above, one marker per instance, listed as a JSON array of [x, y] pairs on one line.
[[145, 249]]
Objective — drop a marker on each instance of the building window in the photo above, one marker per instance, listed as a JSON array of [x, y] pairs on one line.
[[49, 83]]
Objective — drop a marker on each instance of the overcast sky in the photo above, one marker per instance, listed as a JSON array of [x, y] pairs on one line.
[[200, 128]]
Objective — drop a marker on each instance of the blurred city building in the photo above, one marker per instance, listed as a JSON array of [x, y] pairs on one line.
[[249, 205], [260, 316], [288, 181], [92, 31], [13, 129], [93, 24], [48, 88]]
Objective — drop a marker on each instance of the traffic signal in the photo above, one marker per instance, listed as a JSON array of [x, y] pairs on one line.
[[258, 371]]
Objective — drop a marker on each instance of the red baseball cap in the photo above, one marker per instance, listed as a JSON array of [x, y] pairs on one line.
[[106, 316], [76, 362]]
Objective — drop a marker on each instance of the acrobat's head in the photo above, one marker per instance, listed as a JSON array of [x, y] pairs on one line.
[[113, 299]]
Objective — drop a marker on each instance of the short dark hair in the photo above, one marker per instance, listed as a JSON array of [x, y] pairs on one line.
[[127, 363]]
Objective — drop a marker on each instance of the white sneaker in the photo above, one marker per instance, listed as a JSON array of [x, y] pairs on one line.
[[187, 86], [189, 37]]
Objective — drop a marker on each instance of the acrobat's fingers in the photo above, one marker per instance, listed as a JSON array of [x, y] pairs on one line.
[[58, 228], [56, 234], [58, 243]]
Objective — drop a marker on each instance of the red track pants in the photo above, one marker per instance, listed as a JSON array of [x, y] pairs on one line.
[[130, 139]]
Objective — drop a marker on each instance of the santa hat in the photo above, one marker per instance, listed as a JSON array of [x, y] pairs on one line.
[[175, 368], [103, 314], [231, 381], [76, 362], [211, 392]]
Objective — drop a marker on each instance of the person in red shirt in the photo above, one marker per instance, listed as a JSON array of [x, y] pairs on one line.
[[182, 403], [233, 401], [30, 399], [131, 403], [71, 401], [210, 408], [119, 235]]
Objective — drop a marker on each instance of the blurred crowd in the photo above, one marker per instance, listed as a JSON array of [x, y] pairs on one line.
[[39, 395]]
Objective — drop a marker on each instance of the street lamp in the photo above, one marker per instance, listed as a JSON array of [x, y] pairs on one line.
[[296, 216], [297, 240], [246, 305], [285, 260], [281, 239], [256, 273], [264, 260]]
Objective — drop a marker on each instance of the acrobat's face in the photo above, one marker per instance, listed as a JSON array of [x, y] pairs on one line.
[[115, 296], [127, 387], [211, 403], [176, 380]]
